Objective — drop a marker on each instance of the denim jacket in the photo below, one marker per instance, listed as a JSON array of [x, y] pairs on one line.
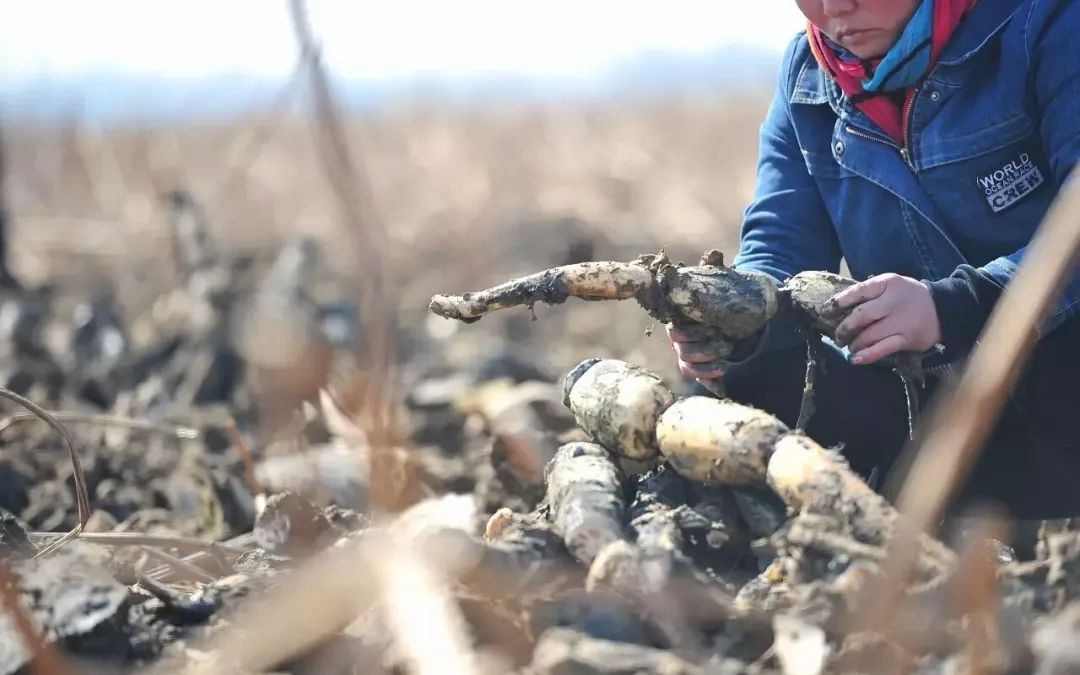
[[993, 132]]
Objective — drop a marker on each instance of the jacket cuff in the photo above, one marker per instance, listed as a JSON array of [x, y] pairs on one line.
[[963, 302]]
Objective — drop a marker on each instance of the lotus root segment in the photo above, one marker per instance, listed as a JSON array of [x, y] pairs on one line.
[[618, 404], [738, 302], [588, 280], [812, 479], [718, 441], [584, 495], [805, 474], [808, 293]]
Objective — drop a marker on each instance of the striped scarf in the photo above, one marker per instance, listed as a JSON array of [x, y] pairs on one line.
[[900, 70]]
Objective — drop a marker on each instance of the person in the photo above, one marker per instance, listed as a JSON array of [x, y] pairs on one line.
[[920, 142]]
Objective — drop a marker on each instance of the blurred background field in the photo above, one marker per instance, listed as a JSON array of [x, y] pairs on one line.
[[227, 236], [481, 164], [470, 196]]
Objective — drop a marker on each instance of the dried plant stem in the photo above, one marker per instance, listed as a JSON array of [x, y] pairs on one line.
[[974, 594], [159, 590], [961, 422], [964, 419], [373, 392], [246, 455], [139, 539], [834, 544], [82, 499], [179, 564], [806, 406], [104, 420], [212, 554]]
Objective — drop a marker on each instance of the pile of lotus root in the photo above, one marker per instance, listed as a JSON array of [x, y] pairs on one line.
[[711, 537]]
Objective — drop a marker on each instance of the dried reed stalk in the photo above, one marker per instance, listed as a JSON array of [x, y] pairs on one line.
[[373, 397], [82, 499], [965, 414], [181, 432], [140, 539]]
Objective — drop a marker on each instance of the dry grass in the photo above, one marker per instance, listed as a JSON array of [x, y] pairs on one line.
[[460, 196], [469, 194]]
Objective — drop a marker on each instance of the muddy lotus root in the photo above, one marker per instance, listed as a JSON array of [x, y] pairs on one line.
[[716, 441], [738, 303], [813, 479], [618, 404], [808, 293], [584, 495]]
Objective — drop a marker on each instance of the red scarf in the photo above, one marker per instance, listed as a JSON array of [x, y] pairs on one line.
[[849, 75]]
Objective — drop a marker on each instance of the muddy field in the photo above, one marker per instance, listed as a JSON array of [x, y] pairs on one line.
[[262, 486]]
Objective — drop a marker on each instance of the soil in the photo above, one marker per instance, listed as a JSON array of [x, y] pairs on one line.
[[200, 420]]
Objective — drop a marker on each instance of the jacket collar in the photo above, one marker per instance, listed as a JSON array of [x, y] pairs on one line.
[[985, 20], [981, 24], [810, 83]]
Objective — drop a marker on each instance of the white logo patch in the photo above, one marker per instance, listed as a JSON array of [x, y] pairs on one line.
[[1011, 183]]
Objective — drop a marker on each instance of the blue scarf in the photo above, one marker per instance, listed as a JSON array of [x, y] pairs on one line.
[[906, 63], [909, 59]]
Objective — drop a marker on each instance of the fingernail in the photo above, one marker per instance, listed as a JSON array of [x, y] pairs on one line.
[[858, 359]]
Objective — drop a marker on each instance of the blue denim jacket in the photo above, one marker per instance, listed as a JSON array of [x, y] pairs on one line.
[[994, 131]]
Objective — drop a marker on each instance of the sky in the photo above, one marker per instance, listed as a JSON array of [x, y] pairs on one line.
[[371, 40]]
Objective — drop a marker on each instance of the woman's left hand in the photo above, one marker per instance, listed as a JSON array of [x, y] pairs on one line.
[[886, 314]]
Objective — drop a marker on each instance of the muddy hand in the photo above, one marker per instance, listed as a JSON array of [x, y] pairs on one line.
[[701, 352], [885, 315]]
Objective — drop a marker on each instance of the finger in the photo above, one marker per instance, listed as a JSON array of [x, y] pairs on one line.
[[879, 350], [862, 316], [708, 350], [694, 332], [675, 335], [704, 371], [694, 357], [874, 333], [877, 332], [857, 294]]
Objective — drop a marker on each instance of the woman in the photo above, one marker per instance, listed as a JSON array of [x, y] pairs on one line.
[[922, 143]]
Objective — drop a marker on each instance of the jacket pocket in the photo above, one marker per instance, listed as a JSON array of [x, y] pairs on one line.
[[995, 199], [988, 139]]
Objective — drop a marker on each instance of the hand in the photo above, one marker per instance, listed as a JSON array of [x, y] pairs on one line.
[[700, 350], [886, 314]]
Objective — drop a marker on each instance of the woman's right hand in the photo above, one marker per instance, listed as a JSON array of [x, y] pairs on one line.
[[700, 350]]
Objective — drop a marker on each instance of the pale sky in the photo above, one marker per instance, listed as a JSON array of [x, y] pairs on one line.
[[367, 39]]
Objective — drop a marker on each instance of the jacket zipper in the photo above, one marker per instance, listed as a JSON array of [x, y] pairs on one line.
[[906, 155], [905, 132], [905, 152], [882, 139]]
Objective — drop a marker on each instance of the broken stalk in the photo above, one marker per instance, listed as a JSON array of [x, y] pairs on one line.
[[82, 499], [180, 432], [806, 405]]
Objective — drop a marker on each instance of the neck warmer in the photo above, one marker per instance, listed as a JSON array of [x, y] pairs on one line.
[[866, 82]]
